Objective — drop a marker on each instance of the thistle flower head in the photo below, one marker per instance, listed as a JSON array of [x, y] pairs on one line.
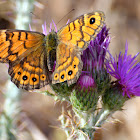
[[93, 57], [94, 77], [93, 60], [86, 81], [127, 72]]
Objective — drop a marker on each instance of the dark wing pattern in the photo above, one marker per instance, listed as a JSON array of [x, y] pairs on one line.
[[26, 54]]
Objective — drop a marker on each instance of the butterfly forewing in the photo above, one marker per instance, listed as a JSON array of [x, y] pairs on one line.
[[81, 31], [15, 45]]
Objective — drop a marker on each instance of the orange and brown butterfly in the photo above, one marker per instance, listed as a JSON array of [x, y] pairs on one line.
[[31, 55]]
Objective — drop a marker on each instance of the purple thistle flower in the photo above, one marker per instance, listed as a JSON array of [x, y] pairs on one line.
[[94, 77], [30, 27], [44, 28], [93, 59], [126, 71], [86, 81]]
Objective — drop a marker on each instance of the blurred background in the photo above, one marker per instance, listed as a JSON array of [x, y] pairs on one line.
[[39, 113]]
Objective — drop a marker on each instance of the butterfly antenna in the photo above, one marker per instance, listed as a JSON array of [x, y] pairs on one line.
[[35, 15], [64, 16]]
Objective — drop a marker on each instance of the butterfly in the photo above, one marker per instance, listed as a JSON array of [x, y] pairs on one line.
[[32, 55]]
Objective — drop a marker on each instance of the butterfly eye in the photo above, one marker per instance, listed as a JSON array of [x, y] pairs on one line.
[[92, 20], [70, 72]]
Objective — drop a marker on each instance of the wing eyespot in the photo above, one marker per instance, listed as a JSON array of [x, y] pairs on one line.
[[56, 76], [24, 77], [74, 66], [19, 73], [70, 72], [62, 76], [43, 77], [34, 79], [92, 20]]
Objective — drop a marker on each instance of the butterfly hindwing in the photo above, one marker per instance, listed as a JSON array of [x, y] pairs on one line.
[[31, 72], [69, 65]]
